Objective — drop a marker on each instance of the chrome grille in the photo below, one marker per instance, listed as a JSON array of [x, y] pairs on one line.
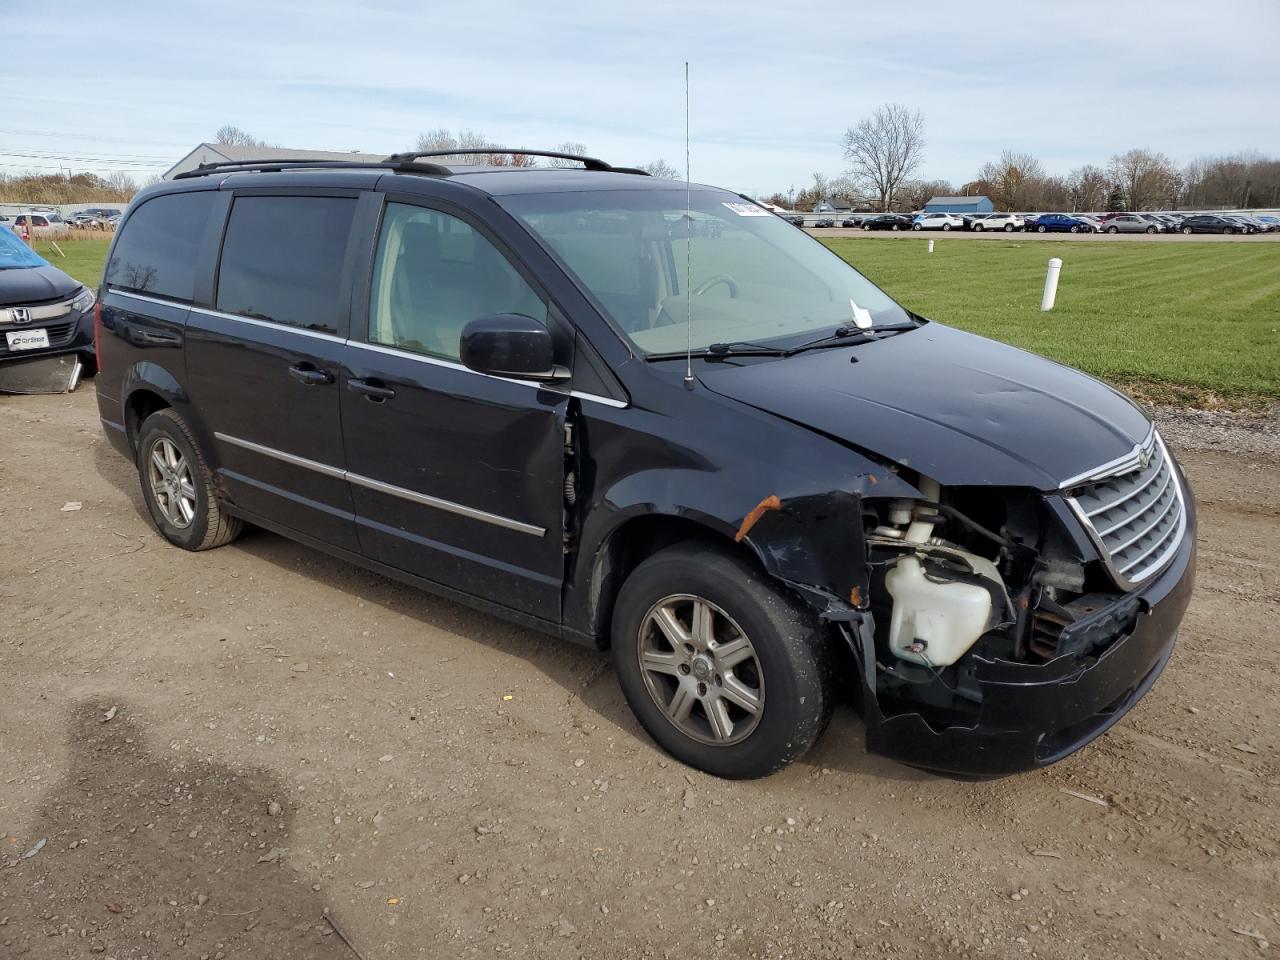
[[1134, 510]]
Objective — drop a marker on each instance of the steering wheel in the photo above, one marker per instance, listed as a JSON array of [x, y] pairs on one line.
[[706, 285]]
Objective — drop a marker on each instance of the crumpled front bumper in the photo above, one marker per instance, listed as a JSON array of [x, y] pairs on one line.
[[1034, 715]]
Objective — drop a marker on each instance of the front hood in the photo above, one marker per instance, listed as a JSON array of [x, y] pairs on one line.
[[21, 285], [956, 407]]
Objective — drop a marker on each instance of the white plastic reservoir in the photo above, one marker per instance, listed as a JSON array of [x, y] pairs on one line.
[[947, 617]]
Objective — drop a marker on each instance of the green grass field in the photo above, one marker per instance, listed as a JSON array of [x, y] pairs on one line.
[[1185, 322], [83, 260]]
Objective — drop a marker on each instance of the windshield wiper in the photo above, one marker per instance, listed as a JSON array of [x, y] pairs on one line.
[[749, 348], [841, 334], [719, 351]]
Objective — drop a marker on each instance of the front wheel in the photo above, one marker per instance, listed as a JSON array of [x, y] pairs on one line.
[[1075, 229], [724, 671], [946, 227], [177, 486], [1151, 229]]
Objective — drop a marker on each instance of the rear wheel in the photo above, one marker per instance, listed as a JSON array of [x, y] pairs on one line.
[[946, 226], [1075, 229], [916, 226], [1151, 229], [1113, 229], [1186, 231], [1041, 229], [178, 487], [1229, 230], [978, 228], [726, 673]]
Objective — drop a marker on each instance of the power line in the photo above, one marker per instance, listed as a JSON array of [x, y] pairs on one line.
[[128, 164], [88, 136]]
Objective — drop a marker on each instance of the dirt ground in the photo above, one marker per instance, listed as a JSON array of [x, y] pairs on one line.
[[291, 736]]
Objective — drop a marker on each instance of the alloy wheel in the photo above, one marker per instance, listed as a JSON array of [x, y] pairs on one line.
[[171, 483], [701, 670]]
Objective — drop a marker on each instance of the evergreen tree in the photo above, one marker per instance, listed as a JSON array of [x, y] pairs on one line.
[[1115, 202]]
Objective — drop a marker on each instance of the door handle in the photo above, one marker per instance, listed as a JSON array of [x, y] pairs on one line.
[[307, 374], [373, 389]]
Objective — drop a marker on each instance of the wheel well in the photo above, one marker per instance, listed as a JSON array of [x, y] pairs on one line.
[[630, 544], [141, 404]]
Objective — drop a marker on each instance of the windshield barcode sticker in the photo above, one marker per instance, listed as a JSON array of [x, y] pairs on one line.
[[748, 210]]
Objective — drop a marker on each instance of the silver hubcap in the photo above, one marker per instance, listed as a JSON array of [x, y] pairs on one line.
[[171, 483], [701, 670]]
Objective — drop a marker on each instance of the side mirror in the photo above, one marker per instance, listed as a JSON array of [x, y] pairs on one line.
[[510, 345]]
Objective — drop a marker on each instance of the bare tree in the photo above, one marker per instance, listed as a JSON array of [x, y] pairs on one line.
[[442, 139], [569, 146], [884, 149], [914, 194], [1013, 179], [1090, 186], [662, 170], [1145, 179], [233, 136]]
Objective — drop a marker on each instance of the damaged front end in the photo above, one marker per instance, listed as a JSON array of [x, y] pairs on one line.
[[998, 633]]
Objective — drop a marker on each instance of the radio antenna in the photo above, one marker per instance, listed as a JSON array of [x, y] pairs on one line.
[[688, 245]]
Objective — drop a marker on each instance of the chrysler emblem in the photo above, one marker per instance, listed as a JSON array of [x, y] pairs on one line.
[[20, 315], [1144, 459]]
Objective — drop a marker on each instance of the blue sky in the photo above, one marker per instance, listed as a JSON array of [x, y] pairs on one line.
[[774, 85]]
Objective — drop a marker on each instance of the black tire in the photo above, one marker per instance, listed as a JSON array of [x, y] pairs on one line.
[[916, 226], [978, 228], [1187, 231], [946, 227], [793, 657], [1151, 229], [1113, 229], [1041, 229], [1075, 229], [208, 526], [1229, 230], [1008, 228]]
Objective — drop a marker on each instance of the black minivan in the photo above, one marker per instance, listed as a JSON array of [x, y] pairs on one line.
[[653, 418]]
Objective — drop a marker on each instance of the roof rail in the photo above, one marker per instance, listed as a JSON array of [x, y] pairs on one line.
[[590, 163], [275, 166]]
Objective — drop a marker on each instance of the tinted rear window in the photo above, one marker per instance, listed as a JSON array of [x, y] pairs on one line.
[[282, 259], [157, 250]]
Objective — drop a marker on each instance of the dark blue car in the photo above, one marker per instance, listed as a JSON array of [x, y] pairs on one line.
[[1059, 223]]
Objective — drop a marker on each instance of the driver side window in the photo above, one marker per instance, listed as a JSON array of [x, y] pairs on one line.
[[433, 274]]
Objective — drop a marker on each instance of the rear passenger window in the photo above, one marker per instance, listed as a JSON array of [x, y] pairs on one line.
[[157, 250], [282, 260], [433, 275]]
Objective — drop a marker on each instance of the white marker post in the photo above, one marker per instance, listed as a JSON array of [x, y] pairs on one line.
[[931, 246], [1051, 284]]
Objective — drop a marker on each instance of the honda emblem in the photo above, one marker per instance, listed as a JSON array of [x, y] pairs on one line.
[[1144, 458], [20, 315]]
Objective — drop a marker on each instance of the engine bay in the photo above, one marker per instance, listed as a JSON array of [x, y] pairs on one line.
[[970, 575]]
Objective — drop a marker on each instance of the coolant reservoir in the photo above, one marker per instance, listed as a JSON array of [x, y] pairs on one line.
[[947, 617]]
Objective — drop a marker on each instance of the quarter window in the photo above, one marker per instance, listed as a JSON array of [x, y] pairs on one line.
[[282, 260], [158, 248], [433, 275]]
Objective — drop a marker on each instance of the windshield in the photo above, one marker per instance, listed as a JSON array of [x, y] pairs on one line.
[[749, 275], [15, 253]]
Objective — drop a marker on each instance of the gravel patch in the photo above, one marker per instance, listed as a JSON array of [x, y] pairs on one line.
[[1254, 433]]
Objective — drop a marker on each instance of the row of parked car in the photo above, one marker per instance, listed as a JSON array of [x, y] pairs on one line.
[[1187, 223], [50, 223]]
